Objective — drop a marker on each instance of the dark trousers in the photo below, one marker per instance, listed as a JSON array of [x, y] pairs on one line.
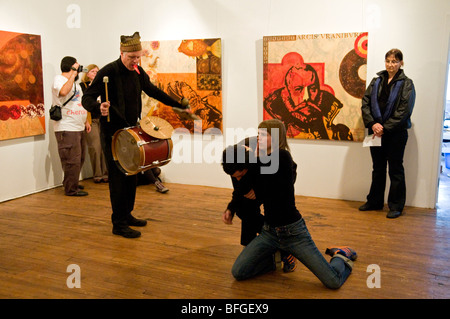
[[389, 154], [72, 150], [252, 220], [122, 188]]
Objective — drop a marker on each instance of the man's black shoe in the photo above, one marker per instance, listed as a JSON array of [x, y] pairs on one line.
[[393, 214], [368, 206], [79, 193], [132, 221], [125, 231]]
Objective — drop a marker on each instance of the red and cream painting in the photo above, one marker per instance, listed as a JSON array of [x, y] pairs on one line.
[[189, 69], [314, 83], [22, 110]]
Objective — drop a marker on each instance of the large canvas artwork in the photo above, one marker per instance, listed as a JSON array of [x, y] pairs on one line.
[[21, 86], [314, 84], [189, 69]]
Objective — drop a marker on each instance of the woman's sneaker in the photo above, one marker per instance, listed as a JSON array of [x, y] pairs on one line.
[[160, 187], [343, 250], [289, 264]]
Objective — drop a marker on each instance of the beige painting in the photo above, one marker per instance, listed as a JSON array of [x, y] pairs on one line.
[[190, 69]]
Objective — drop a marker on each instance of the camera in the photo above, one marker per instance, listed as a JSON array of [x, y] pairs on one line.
[[80, 69]]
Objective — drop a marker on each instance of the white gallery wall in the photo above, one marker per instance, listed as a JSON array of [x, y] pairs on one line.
[[90, 31]]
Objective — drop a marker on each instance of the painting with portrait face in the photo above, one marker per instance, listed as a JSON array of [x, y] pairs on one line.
[[190, 69], [21, 86], [314, 84]]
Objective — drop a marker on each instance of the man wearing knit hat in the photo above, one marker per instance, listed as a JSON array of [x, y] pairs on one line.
[[126, 81], [130, 50]]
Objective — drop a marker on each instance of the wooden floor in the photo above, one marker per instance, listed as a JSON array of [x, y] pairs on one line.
[[187, 252]]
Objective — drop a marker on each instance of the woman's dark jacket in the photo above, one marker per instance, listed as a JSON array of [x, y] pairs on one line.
[[400, 118]]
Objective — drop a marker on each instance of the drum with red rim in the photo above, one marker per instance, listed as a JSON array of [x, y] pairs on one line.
[[135, 151]]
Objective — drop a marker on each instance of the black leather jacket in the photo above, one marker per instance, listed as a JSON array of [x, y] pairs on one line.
[[400, 118]]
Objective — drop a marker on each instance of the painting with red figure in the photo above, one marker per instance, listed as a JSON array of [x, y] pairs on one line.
[[314, 83]]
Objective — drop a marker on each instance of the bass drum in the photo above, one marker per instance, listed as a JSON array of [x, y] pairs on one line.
[[135, 151]]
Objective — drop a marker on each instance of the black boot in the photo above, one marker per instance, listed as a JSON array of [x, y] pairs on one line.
[[125, 231], [132, 221], [367, 206]]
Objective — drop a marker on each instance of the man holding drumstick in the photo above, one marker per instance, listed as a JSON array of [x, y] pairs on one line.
[[120, 84]]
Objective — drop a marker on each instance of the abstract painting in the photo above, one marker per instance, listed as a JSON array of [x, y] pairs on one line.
[[314, 84], [21, 86], [189, 69]]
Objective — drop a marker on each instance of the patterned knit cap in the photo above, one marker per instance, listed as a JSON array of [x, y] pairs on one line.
[[130, 43]]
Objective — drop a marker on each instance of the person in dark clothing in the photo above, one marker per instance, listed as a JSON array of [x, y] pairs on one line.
[[386, 108], [126, 81], [284, 227], [98, 162], [244, 203]]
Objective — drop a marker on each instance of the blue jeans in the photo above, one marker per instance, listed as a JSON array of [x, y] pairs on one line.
[[257, 257]]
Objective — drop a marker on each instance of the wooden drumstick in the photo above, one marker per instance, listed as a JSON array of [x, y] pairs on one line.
[[106, 80]]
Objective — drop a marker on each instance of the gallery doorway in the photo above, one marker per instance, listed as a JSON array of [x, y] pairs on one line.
[[443, 198]]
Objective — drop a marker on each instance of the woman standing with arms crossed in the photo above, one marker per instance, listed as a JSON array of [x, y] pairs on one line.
[[387, 106]]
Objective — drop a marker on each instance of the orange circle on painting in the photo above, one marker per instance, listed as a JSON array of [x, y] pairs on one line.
[[361, 44]]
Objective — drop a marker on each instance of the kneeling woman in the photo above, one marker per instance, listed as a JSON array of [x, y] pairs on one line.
[[284, 226]]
